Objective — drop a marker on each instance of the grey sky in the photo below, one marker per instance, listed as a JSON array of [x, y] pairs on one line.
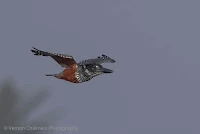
[[155, 87]]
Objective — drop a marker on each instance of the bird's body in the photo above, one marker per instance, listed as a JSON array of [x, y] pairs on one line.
[[77, 72], [67, 74]]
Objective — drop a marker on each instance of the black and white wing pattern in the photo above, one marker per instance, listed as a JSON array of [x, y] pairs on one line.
[[99, 60], [63, 59]]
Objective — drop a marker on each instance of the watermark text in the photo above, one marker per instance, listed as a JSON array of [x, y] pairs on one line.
[[40, 128]]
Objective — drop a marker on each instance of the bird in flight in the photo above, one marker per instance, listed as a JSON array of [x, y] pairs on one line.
[[77, 72]]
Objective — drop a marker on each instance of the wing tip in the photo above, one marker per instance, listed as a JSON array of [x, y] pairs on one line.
[[112, 60]]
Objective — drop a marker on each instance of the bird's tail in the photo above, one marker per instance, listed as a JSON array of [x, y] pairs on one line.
[[55, 75], [50, 74]]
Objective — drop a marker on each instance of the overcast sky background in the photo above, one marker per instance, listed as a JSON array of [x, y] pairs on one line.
[[155, 86]]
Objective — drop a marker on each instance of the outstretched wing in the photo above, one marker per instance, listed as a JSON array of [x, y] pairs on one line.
[[63, 59], [99, 60]]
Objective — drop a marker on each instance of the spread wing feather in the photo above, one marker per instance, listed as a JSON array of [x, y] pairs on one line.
[[99, 60], [63, 59]]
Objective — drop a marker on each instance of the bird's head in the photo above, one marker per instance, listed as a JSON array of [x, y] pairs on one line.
[[98, 69], [92, 67], [89, 71]]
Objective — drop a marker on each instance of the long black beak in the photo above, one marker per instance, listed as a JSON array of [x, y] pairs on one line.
[[105, 70]]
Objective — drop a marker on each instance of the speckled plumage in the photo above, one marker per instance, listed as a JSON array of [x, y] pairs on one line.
[[77, 72]]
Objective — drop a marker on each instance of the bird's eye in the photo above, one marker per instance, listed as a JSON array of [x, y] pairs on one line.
[[95, 67]]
